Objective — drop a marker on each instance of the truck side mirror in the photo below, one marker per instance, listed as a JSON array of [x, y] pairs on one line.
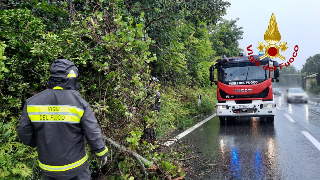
[[277, 70], [211, 69]]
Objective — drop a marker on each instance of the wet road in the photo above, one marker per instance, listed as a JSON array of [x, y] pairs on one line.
[[251, 149]]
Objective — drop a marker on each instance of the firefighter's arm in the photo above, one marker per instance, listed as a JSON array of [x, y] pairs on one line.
[[92, 131], [25, 129], [158, 100]]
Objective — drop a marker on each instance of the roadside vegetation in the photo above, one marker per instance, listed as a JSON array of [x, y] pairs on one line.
[[312, 67], [117, 46]]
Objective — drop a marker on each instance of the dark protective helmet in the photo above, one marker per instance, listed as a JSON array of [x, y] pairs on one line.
[[155, 80], [64, 74]]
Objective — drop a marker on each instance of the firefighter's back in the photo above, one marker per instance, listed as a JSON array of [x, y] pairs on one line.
[[55, 115]]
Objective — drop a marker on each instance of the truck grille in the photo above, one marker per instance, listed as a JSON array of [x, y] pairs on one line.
[[244, 111], [243, 101], [263, 94]]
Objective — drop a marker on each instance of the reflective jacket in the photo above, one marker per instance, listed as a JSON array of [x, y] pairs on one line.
[[56, 121]]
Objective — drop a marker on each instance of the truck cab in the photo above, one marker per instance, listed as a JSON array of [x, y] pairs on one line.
[[244, 88]]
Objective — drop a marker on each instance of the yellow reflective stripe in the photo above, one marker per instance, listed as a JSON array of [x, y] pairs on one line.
[[65, 167], [57, 87], [53, 113], [102, 152], [54, 118], [72, 74], [49, 108]]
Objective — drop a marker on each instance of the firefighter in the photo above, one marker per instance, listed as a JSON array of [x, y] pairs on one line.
[[149, 132], [57, 121], [153, 84]]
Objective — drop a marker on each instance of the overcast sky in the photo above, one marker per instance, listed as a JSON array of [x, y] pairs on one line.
[[298, 23]]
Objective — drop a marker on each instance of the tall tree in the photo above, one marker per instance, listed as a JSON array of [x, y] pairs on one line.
[[225, 36], [312, 65], [170, 24]]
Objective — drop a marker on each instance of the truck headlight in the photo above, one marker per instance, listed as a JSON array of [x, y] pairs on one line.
[[221, 107], [269, 105]]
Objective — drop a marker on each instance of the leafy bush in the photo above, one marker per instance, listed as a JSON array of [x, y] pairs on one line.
[[114, 77], [179, 107], [109, 41], [16, 160], [314, 88]]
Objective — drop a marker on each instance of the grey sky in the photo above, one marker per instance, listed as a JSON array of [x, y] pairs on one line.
[[298, 23]]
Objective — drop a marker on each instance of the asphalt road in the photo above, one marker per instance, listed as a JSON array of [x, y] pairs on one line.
[[250, 149]]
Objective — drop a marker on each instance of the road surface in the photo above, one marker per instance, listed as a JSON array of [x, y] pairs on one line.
[[250, 149]]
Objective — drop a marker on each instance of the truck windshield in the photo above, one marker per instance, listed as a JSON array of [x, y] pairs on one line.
[[234, 73]]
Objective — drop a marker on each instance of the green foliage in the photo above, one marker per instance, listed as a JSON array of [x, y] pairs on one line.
[[2, 58], [318, 77], [116, 45], [225, 38], [198, 51], [135, 137], [314, 88], [179, 29], [46, 11], [203, 74], [112, 63], [312, 65], [179, 108], [16, 160]]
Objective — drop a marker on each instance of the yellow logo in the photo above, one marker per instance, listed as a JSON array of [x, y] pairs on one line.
[[272, 37], [72, 74]]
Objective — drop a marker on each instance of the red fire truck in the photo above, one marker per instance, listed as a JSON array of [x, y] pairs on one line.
[[244, 88]]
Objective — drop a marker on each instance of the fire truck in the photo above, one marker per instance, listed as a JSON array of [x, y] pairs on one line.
[[244, 87]]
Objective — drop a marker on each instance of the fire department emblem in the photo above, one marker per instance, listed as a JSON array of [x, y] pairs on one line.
[[272, 37]]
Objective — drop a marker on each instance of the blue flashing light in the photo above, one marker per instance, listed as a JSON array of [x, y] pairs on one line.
[[258, 165], [260, 52], [235, 164]]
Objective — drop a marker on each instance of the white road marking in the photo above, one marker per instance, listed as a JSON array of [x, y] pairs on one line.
[[278, 108], [312, 139], [290, 118], [168, 143]]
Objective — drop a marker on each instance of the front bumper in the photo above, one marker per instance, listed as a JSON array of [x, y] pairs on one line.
[[257, 108]]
